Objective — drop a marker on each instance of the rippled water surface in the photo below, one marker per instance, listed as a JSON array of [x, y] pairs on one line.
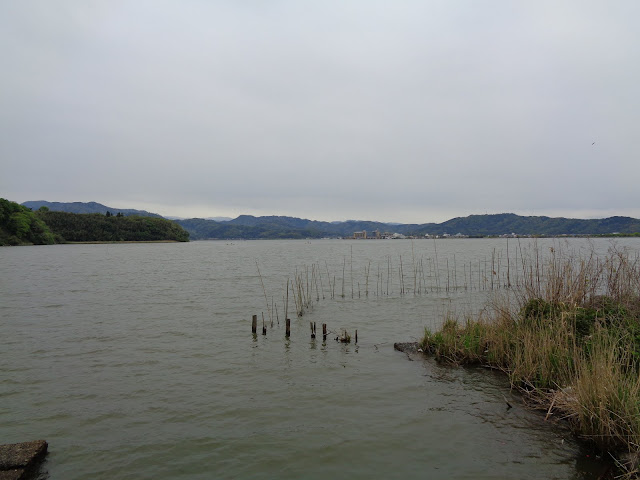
[[137, 361]]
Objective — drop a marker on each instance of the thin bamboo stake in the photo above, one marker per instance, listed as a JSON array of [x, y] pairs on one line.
[[351, 267], [413, 264], [264, 291], [344, 264]]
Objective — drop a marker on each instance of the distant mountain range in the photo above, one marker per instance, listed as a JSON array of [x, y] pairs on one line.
[[217, 219], [86, 207], [247, 226], [271, 227]]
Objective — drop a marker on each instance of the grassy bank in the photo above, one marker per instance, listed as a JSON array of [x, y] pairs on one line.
[[569, 338]]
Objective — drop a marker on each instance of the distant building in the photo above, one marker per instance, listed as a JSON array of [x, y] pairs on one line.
[[360, 235]]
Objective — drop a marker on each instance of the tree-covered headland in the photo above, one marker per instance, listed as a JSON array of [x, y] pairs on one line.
[[21, 226]]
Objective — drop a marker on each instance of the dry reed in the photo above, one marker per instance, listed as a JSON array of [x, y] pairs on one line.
[[568, 337]]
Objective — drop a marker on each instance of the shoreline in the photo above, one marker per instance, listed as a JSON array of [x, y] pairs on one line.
[[568, 341], [99, 242]]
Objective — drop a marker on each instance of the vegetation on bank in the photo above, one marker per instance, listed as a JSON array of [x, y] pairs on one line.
[[569, 339], [94, 227], [21, 226]]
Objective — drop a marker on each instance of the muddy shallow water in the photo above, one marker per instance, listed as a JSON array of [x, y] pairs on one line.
[[137, 361]]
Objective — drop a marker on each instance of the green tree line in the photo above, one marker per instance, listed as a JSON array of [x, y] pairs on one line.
[[19, 225], [94, 227]]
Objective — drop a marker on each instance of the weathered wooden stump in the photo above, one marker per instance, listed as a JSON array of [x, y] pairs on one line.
[[20, 461], [344, 337], [254, 324]]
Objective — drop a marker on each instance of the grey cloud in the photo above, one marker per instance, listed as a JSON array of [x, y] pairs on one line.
[[431, 108]]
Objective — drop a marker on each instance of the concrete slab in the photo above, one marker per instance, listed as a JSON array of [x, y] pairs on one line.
[[20, 461]]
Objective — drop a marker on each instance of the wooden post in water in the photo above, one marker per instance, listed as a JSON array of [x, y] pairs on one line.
[[313, 331], [324, 332], [356, 336], [254, 324], [288, 329], [264, 325]]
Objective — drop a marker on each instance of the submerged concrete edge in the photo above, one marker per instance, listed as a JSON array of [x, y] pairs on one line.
[[21, 461]]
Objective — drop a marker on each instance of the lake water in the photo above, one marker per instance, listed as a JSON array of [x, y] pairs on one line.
[[138, 361]]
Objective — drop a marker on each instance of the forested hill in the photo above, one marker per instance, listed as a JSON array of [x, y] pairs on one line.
[[86, 207], [21, 226], [94, 227], [506, 223], [250, 227]]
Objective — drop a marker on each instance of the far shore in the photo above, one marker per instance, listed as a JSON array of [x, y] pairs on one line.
[[123, 241]]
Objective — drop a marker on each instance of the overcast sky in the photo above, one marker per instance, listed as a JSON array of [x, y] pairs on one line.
[[407, 111]]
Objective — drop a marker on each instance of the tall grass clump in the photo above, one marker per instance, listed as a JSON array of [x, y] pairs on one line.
[[568, 337]]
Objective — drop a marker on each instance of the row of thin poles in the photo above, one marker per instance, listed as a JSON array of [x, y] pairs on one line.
[[389, 277]]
